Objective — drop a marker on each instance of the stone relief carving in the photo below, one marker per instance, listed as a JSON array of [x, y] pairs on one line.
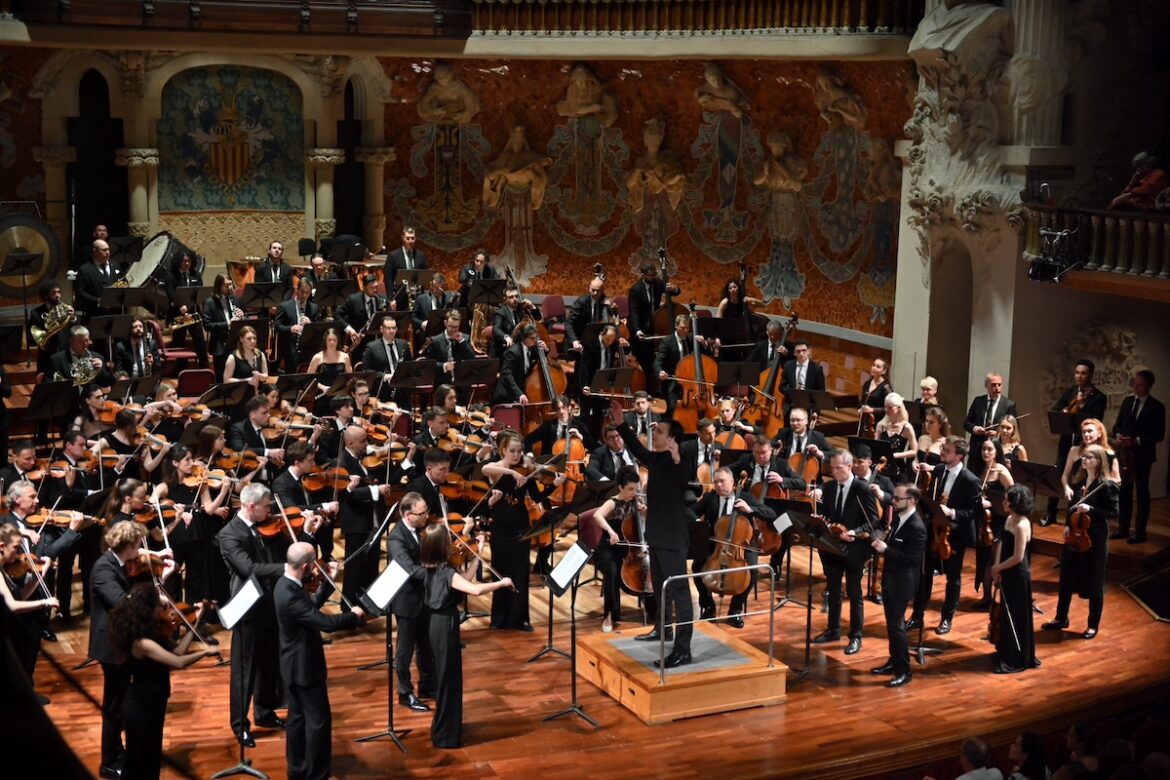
[[329, 71], [448, 99], [962, 50], [585, 97], [656, 170], [136, 158], [719, 93], [229, 235], [518, 167], [838, 104]]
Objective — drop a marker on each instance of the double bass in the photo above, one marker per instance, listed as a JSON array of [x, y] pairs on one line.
[[625, 359], [663, 317], [733, 534], [543, 385], [696, 373], [766, 411]]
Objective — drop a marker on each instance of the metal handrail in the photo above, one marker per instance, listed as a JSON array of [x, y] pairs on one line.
[[662, 611]]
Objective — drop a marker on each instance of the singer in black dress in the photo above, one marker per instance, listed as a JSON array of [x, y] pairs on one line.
[[136, 633], [509, 520], [1016, 649], [443, 592]]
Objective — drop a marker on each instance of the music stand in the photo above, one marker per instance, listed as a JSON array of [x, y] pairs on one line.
[[741, 374], [109, 327], [294, 387], [810, 399], [813, 531], [123, 297], [227, 395], [436, 318], [51, 400], [241, 603], [1064, 424], [412, 374], [128, 248], [342, 384], [419, 277], [729, 331], [333, 292], [192, 297], [564, 577], [486, 291], [143, 386], [19, 261], [376, 599], [263, 295], [190, 435], [548, 524], [1041, 478], [916, 414], [480, 372], [611, 383], [313, 336], [880, 448], [258, 324]]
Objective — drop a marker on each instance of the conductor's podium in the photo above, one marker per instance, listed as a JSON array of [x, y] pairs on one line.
[[726, 674]]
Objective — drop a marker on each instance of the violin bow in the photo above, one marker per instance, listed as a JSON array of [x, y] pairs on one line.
[[466, 546], [316, 563], [1011, 620], [300, 398], [162, 523]]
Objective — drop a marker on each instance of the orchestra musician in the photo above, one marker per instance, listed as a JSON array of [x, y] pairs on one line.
[[184, 273], [554, 429], [28, 617], [848, 501], [928, 391], [957, 494], [722, 501], [1016, 649], [247, 363], [92, 278], [50, 299], [247, 434], [219, 311], [607, 460], [645, 298], [882, 488], [1085, 401], [290, 489], [448, 348], [588, 308], [729, 421], [902, 549], [68, 492], [762, 465], [410, 612], [510, 519], [1084, 572], [275, 271], [986, 412], [319, 271], [1008, 433], [896, 429], [504, 321], [771, 348], [608, 554], [291, 318], [801, 372], [342, 411], [407, 257], [733, 302], [519, 360], [704, 443], [136, 633], [65, 362], [435, 298], [385, 354], [360, 308], [671, 351], [667, 532], [309, 729], [872, 398], [797, 438], [1139, 428], [642, 417], [479, 268], [328, 364], [993, 473], [598, 354], [137, 356], [359, 515], [437, 425]]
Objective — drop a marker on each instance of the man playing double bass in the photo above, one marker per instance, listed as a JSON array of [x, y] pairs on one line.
[[645, 297], [519, 361], [671, 352]]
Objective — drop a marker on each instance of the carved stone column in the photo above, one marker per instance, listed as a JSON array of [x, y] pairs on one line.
[[1039, 70], [142, 178], [374, 159], [322, 161], [54, 159]]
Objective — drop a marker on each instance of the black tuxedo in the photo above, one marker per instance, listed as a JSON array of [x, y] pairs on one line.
[[510, 384], [127, 358], [309, 726], [396, 261], [581, 314], [504, 321], [708, 510], [591, 361], [545, 434], [254, 638], [966, 498], [631, 419], [1149, 429], [786, 442], [217, 323], [644, 301], [376, 357], [411, 612], [789, 480], [427, 303], [759, 354], [292, 492], [443, 349], [667, 528], [358, 516], [108, 585], [601, 464], [355, 314], [856, 511], [430, 493], [267, 273], [978, 415], [903, 568], [87, 289], [62, 363], [814, 376], [287, 343]]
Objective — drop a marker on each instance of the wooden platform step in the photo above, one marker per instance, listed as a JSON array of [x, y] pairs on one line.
[[1141, 558], [751, 681]]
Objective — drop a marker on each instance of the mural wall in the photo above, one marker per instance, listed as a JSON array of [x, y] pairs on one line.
[[787, 167]]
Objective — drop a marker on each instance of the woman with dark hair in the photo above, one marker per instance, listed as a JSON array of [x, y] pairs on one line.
[[447, 398], [733, 301], [86, 421], [993, 473], [1016, 649], [608, 555], [328, 364], [1027, 756], [135, 459], [136, 633], [509, 514], [443, 593]]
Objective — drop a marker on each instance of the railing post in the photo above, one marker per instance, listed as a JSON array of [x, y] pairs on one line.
[[1124, 250], [1151, 249]]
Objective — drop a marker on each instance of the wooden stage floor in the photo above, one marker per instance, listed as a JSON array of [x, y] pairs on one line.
[[841, 722]]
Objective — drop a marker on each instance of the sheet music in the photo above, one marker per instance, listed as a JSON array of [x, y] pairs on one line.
[[386, 587], [231, 612], [782, 523], [571, 562]]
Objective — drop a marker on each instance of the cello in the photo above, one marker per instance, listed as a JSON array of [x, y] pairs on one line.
[[542, 386], [636, 578], [696, 373], [767, 411], [805, 467], [733, 534]]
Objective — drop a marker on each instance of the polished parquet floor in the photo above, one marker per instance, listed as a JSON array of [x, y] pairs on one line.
[[839, 722]]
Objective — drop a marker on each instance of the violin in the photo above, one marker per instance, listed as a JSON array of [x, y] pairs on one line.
[[213, 478], [733, 534], [940, 527], [180, 614], [146, 563], [395, 452], [1078, 523], [230, 460], [60, 517], [150, 513], [465, 545], [24, 564], [275, 524], [335, 478], [995, 615], [985, 537]]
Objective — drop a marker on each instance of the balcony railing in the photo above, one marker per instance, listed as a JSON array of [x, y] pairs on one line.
[[1118, 242], [826, 17]]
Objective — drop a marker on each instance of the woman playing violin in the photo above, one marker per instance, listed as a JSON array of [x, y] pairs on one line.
[[329, 364], [211, 445], [897, 430], [207, 510], [1016, 649], [247, 363], [135, 457], [872, 400], [93, 400], [510, 487], [993, 473], [11, 548], [136, 633], [1095, 505], [608, 555], [1008, 433]]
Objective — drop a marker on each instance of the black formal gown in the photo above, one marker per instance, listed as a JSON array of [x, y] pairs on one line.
[[608, 558], [1016, 587], [443, 601], [144, 711], [898, 470], [510, 553], [327, 373]]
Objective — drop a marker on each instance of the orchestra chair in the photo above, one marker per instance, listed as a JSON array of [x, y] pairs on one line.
[[193, 382], [170, 354], [589, 534], [553, 310], [509, 415]]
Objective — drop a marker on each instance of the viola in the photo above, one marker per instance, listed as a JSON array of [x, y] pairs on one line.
[[733, 534], [1078, 532], [995, 615], [985, 537]]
